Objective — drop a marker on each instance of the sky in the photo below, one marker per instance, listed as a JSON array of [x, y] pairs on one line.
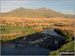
[[63, 6]]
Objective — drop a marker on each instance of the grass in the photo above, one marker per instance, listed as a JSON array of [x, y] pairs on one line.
[[12, 25], [68, 47], [18, 36], [11, 33], [67, 32], [14, 29]]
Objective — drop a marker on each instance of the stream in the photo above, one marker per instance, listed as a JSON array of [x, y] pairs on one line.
[[35, 44]]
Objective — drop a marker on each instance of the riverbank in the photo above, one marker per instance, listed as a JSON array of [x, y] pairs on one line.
[[15, 35], [68, 33]]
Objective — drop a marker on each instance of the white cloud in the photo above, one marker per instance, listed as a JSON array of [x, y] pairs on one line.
[[68, 11], [10, 5]]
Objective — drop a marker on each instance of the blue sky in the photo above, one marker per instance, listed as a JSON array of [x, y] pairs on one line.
[[65, 6]]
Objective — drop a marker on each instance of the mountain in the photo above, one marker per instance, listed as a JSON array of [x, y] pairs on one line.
[[41, 12]]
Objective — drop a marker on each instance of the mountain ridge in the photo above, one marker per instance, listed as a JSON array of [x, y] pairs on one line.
[[33, 13]]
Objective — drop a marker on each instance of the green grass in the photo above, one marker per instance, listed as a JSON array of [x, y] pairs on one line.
[[14, 29], [66, 48], [18, 36], [8, 30]]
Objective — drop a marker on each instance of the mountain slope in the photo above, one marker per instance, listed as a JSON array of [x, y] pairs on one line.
[[41, 12]]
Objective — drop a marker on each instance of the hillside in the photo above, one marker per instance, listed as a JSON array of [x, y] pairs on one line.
[[35, 13]]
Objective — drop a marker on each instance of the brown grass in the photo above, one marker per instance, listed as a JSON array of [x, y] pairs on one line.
[[37, 23], [30, 22], [68, 32]]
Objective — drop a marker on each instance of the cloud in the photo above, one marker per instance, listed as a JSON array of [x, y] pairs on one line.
[[68, 11], [10, 5]]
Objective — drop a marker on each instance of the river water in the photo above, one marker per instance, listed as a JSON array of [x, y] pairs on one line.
[[23, 46]]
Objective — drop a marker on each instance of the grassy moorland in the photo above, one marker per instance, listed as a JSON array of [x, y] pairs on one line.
[[14, 27]]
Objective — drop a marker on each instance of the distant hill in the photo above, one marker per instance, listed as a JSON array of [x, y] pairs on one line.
[[41, 12]]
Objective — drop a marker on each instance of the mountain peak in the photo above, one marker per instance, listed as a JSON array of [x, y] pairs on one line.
[[21, 8], [44, 8]]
